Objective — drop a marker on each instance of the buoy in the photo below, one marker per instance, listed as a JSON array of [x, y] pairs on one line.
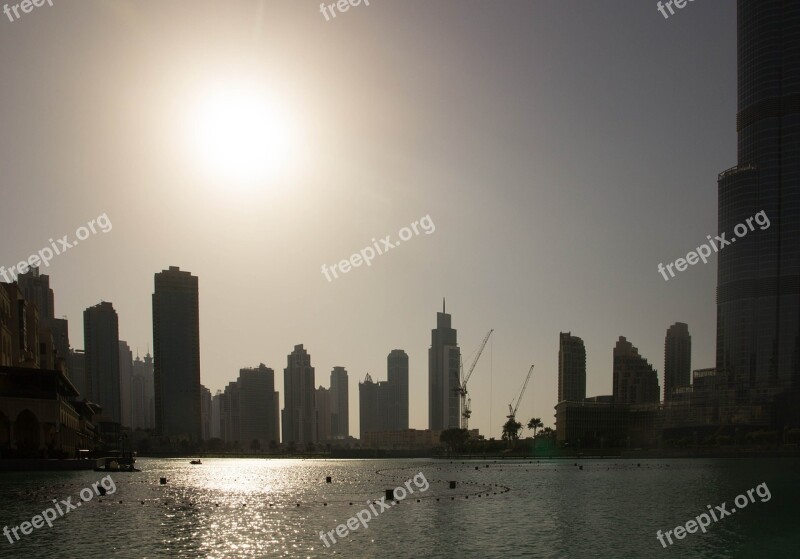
[[390, 494], [163, 481], [328, 479], [452, 485]]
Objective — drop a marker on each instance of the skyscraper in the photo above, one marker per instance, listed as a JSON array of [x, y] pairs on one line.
[[322, 404], [299, 387], [444, 360], [571, 368], [758, 279], [256, 406], [101, 337], [125, 380], [677, 358], [176, 348], [368, 418], [635, 381], [340, 402], [143, 394], [397, 367]]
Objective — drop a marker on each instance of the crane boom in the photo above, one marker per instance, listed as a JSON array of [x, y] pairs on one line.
[[478, 356], [513, 413]]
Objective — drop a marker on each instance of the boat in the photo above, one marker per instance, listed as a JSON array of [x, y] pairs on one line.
[[196, 462]]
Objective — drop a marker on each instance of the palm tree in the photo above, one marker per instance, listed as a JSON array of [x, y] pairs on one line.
[[535, 423], [511, 430]]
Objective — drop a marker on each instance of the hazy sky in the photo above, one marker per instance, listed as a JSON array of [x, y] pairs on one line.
[[563, 148]]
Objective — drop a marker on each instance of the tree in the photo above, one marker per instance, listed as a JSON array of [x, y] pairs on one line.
[[454, 439], [255, 445], [511, 430], [535, 423]]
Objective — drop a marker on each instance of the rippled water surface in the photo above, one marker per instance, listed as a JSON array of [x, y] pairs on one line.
[[271, 508]]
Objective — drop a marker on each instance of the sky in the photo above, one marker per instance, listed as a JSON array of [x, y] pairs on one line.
[[562, 150]]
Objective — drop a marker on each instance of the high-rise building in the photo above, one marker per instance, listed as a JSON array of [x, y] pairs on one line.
[[143, 394], [340, 404], [758, 279], [125, 381], [635, 381], [444, 362], [231, 414], [677, 359], [368, 418], [205, 412], [76, 371], [571, 368], [298, 418], [101, 337], [216, 415], [256, 406], [322, 405], [36, 289], [397, 367], [176, 348]]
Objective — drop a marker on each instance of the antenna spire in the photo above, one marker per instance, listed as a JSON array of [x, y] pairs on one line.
[[443, 306]]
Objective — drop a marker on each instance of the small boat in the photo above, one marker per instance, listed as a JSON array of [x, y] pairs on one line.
[[195, 462]]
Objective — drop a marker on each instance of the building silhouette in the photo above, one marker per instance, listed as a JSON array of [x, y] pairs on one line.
[[125, 384], [205, 412], [323, 414], [758, 280], [340, 404], [143, 393], [176, 351], [571, 368], [444, 362], [397, 373], [256, 406], [101, 337], [635, 381], [677, 359], [299, 417], [368, 415]]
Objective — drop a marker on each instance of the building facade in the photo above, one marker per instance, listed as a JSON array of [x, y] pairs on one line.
[[635, 380], [101, 337], [340, 404], [397, 373], [571, 368], [677, 359], [444, 369], [176, 349], [298, 417]]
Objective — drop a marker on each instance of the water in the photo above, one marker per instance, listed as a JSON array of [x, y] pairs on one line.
[[249, 508]]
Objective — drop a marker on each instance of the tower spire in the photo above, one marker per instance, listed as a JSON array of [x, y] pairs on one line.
[[443, 306]]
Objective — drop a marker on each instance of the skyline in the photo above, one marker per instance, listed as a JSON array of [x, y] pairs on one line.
[[532, 238]]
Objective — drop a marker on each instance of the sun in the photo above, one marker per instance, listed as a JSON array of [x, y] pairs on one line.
[[240, 134]]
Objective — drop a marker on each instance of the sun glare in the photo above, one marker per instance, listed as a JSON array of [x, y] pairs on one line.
[[241, 135]]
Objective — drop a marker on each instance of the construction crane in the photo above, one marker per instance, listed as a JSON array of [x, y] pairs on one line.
[[461, 387], [512, 412]]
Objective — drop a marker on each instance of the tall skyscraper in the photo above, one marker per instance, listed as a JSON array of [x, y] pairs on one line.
[[125, 380], [368, 418], [176, 348], [205, 412], [397, 367], [256, 406], [758, 279], [143, 394], [571, 368], [299, 388], [101, 337], [677, 358], [322, 404], [444, 360], [36, 289], [635, 381], [76, 371], [340, 404]]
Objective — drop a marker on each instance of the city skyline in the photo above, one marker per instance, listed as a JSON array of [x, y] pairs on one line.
[[524, 202]]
